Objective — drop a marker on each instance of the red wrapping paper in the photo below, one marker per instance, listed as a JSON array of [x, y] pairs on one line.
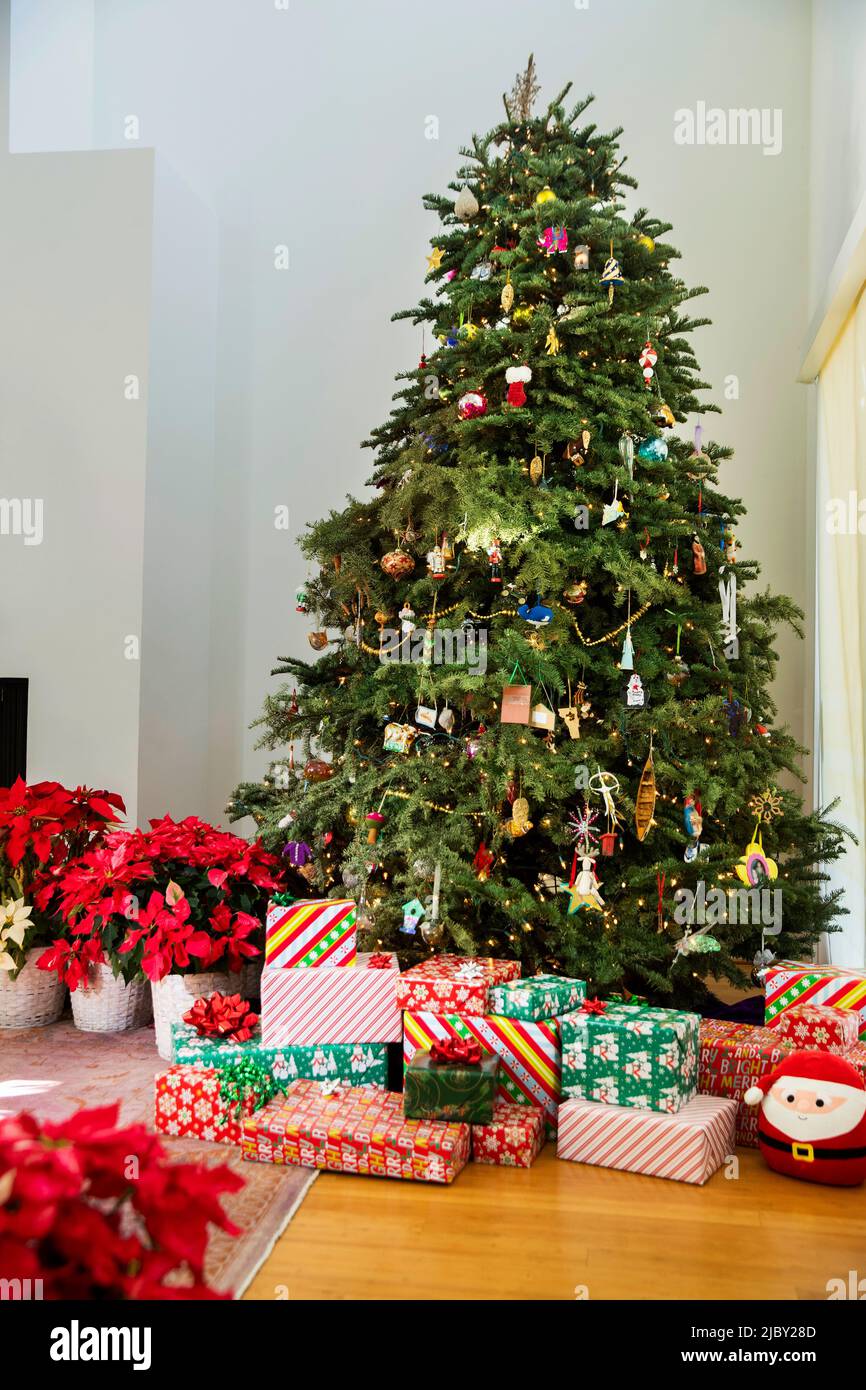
[[732, 1056], [453, 984], [513, 1139], [819, 1027], [188, 1105]]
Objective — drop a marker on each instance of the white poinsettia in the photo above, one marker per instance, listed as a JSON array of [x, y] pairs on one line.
[[14, 923]]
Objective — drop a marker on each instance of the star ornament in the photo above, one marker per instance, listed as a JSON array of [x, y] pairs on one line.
[[767, 804], [435, 259]]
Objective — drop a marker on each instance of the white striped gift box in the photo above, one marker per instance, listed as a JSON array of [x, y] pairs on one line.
[[688, 1146], [331, 1006]]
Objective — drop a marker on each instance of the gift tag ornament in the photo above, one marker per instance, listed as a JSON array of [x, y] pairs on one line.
[[754, 867], [634, 696]]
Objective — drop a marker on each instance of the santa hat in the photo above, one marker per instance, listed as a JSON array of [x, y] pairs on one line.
[[824, 1067]]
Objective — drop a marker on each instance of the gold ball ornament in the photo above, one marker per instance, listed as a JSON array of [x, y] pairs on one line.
[[647, 242], [397, 564], [317, 640], [536, 470], [506, 299], [546, 195]]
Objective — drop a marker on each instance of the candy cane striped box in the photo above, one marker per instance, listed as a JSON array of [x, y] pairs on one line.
[[331, 1006], [530, 1066], [790, 982], [315, 931], [688, 1146]]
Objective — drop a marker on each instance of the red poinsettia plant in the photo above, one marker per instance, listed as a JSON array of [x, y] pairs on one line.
[[179, 898], [96, 1212], [43, 827]]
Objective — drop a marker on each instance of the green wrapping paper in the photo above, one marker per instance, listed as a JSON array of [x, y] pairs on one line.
[[450, 1090], [355, 1064], [535, 997], [631, 1055]]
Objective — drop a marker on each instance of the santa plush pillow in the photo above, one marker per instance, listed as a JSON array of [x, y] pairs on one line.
[[812, 1123]]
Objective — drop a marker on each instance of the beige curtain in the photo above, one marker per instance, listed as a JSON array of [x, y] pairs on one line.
[[841, 610]]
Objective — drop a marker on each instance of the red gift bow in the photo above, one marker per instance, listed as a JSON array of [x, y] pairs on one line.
[[225, 1016], [594, 1006], [465, 1050], [380, 960]]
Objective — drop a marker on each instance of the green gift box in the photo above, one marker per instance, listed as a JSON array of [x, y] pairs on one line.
[[535, 997], [631, 1055], [452, 1090], [354, 1064]]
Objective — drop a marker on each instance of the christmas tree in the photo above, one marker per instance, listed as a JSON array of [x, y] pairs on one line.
[[542, 707]]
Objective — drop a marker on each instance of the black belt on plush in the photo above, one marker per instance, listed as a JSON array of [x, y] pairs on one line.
[[807, 1153]]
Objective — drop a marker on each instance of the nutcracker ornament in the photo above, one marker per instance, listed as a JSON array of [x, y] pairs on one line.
[[812, 1121], [494, 555]]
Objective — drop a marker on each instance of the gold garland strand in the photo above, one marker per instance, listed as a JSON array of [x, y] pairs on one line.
[[512, 613]]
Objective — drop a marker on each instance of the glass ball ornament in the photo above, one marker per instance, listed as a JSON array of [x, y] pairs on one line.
[[423, 868], [653, 450], [432, 932], [351, 878]]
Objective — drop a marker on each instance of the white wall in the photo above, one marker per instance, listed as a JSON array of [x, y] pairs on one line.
[[306, 127]]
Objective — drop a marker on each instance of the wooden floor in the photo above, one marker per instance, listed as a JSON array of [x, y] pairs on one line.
[[564, 1230]]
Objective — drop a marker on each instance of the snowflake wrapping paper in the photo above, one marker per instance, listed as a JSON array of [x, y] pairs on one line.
[[311, 932], [530, 1062], [331, 1006], [687, 1147], [453, 984], [188, 1105], [631, 1055], [351, 1064], [537, 996], [733, 1056], [513, 1139], [790, 982], [820, 1027], [354, 1131]]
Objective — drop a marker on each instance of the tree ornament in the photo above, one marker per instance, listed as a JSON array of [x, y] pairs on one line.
[[697, 456], [626, 661], [552, 240], [482, 272], [515, 705], [436, 565], [653, 450], [541, 717], [647, 242], [318, 640], [536, 470], [647, 362], [494, 556], [581, 258], [766, 805], [698, 556], [576, 592], [483, 862], [754, 867], [301, 599], [536, 614], [680, 671], [692, 817], [466, 205], [397, 564], [317, 770], [375, 820], [546, 195], [474, 741], [581, 828], [471, 404], [432, 932], [517, 378], [613, 510], [413, 913], [399, 737], [663, 416], [435, 259], [552, 342], [506, 299], [571, 713], [645, 800], [611, 275], [584, 891], [298, 853], [407, 616], [604, 784], [626, 452], [697, 943], [520, 824]]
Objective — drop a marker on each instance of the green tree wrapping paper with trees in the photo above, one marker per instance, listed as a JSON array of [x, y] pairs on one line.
[[536, 265]]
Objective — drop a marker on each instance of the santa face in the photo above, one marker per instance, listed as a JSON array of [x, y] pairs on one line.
[[808, 1111]]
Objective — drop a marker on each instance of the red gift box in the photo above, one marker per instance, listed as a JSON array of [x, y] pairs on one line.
[[732, 1056], [819, 1027], [790, 983], [513, 1139], [188, 1105], [354, 1130], [453, 984]]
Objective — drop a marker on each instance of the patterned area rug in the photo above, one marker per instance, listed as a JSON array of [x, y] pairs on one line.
[[55, 1071]]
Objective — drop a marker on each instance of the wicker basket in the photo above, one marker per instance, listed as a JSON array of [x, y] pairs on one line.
[[107, 1005], [34, 999], [175, 995], [247, 982]]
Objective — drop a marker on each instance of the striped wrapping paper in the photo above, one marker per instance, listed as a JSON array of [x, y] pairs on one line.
[[794, 982], [687, 1147], [316, 931], [530, 1065], [330, 1006]]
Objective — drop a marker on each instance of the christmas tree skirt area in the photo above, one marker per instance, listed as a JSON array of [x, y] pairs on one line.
[[563, 1230], [55, 1071]]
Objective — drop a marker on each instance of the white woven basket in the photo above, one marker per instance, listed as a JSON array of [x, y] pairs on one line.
[[106, 1004], [248, 981], [174, 995], [34, 999]]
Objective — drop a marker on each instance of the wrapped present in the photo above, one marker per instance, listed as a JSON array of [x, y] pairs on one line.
[[189, 1105], [857, 1057], [529, 1053], [514, 1137], [790, 982], [732, 1057], [688, 1146], [819, 1027], [631, 1055], [454, 1080], [453, 984], [320, 931], [354, 1131], [332, 1006], [537, 996], [351, 1064]]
